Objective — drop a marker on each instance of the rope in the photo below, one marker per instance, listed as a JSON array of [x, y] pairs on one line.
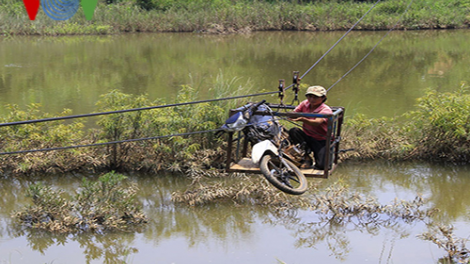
[[373, 48]]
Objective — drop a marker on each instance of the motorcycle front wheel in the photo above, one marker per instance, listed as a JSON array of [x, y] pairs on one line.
[[288, 179]]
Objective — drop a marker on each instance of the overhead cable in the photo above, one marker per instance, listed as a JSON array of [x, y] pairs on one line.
[[130, 110], [118, 141]]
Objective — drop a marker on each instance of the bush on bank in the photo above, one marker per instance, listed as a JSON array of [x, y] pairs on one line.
[[439, 129], [175, 153], [225, 16]]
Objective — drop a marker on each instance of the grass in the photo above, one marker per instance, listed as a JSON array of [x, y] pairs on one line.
[[226, 16]]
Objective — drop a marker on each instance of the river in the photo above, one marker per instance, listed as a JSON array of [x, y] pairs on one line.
[[73, 71]]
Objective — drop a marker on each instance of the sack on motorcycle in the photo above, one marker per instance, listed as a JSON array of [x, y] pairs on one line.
[[262, 127], [256, 127]]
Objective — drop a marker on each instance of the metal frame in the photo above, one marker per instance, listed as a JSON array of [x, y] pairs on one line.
[[334, 125]]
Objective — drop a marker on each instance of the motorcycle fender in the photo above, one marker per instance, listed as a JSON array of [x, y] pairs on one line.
[[260, 148]]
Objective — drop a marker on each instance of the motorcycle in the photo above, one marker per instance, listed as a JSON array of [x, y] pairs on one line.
[[277, 158]]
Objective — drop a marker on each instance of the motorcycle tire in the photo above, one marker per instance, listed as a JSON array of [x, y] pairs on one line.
[[289, 180]]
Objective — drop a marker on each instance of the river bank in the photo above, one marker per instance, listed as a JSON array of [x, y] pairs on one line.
[[226, 16], [438, 130]]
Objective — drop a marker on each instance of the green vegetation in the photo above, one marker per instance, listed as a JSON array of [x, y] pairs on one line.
[[102, 205], [225, 16], [439, 129], [169, 153]]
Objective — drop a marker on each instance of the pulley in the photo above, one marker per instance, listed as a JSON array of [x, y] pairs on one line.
[[281, 90], [295, 86]]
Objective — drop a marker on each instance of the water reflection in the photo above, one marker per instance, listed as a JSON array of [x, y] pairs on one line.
[[443, 184], [109, 247]]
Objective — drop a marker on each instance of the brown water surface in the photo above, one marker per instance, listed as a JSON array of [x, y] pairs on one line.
[[229, 233], [73, 71]]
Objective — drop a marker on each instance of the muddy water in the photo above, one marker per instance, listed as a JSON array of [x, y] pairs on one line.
[[228, 233], [72, 72]]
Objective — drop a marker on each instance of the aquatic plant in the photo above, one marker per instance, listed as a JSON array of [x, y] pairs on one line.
[[336, 208], [106, 204], [441, 125], [42, 135], [374, 138], [335, 203], [155, 123]]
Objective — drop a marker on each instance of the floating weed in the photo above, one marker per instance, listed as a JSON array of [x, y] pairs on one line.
[[246, 190], [102, 205], [443, 237]]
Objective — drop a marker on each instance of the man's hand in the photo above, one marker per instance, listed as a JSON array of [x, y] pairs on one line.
[[310, 121], [299, 119]]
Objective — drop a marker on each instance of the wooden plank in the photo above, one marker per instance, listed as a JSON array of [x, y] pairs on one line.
[[246, 165]]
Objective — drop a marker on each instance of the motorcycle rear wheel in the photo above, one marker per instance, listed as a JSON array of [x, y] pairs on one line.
[[287, 179]]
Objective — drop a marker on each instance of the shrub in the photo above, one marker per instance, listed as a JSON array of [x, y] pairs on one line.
[[441, 125]]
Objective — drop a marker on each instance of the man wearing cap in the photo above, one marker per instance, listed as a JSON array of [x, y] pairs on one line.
[[314, 130]]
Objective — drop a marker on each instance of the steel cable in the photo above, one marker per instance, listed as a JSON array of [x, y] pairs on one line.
[[120, 141], [334, 45], [107, 143], [130, 110]]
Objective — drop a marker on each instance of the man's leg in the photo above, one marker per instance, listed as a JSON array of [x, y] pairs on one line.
[[319, 149], [298, 136]]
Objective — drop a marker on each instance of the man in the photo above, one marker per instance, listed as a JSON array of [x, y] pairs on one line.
[[314, 130]]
